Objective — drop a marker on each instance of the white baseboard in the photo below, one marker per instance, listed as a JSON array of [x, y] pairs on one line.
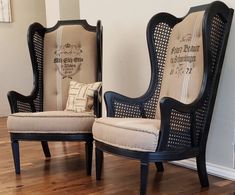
[[212, 169]]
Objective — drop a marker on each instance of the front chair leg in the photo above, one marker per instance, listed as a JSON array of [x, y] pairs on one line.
[[160, 167], [46, 149], [143, 177], [201, 169], [89, 150], [16, 155], [99, 162]]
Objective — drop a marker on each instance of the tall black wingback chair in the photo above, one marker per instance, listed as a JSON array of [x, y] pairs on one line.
[[171, 120], [65, 58]]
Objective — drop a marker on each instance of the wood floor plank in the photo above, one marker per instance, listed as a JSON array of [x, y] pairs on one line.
[[64, 173]]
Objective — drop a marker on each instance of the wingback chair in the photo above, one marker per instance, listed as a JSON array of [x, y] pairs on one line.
[[63, 57], [171, 120]]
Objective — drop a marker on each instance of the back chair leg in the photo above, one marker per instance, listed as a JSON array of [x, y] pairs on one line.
[[89, 150], [99, 162], [143, 177], [160, 167], [16, 155], [201, 169], [46, 149]]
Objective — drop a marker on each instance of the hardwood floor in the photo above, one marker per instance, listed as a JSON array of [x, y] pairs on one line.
[[65, 173]]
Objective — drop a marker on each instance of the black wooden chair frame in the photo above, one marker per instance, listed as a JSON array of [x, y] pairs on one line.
[[34, 102], [197, 146]]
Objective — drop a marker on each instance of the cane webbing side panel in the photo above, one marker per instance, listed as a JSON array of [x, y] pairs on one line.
[[217, 32], [200, 120], [38, 42], [161, 37], [123, 110], [34, 104], [180, 131], [23, 106], [216, 38]]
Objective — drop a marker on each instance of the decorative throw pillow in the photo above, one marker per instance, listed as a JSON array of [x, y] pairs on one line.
[[81, 96]]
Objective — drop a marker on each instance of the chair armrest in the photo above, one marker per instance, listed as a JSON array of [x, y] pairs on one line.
[[122, 106], [20, 103], [177, 124]]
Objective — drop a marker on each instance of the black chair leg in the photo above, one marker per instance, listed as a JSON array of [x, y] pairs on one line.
[[201, 169], [99, 162], [16, 155], [89, 150], [160, 167], [46, 149], [143, 177]]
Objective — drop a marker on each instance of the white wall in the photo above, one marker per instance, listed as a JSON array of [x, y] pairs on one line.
[[61, 10], [69, 11], [52, 12], [127, 67], [15, 65]]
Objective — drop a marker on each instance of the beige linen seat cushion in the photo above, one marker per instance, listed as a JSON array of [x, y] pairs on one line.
[[136, 134], [51, 122]]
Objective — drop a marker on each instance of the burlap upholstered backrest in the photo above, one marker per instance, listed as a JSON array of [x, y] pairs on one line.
[[69, 54], [184, 65]]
